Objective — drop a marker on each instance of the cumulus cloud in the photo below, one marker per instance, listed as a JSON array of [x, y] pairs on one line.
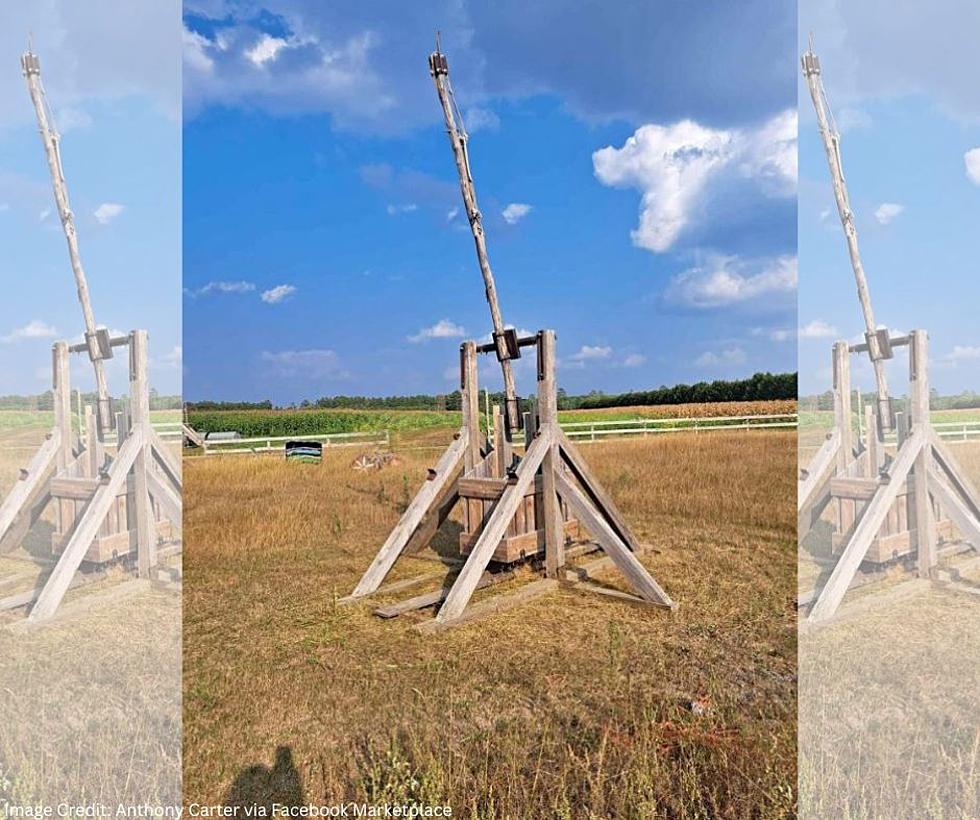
[[589, 353], [443, 329], [887, 211], [972, 161], [728, 280], [275, 295], [515, 212], [35, 329], [107, 211], [634, 360], [818, 329], [310, 364], [240, 286], [265, 50], [961, 353], [728, 356], [672, 165]]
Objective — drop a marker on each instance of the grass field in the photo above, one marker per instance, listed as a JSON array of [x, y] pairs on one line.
[[888, 723], [89, 705], [567, 707]]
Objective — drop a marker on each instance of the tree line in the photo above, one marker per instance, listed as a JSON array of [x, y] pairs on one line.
[[759, 387], [45, 401]]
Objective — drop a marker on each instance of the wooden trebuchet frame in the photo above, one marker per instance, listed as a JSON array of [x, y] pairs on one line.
[[551, 465], [885, 507], [106, 506]]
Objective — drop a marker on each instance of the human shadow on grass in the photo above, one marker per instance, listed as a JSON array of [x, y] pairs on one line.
[[260, 785]]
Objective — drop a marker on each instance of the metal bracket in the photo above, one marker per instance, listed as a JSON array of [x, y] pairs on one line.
[[99, 344], [506, 345]]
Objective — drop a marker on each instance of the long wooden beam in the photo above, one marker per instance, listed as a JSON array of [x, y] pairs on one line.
[[166, 498], [947, 461], [624, 559], [603, 501], [38, 471], [816, 470], [956, 508], [87, 528], [867, 527], [500, 519], [424, 501]]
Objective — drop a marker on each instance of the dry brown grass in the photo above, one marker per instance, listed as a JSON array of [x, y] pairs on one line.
[[888, 720], [89, 706], [566, 707]]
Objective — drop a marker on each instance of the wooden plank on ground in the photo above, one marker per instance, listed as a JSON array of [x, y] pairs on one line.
[[491, 606], [437, 596]]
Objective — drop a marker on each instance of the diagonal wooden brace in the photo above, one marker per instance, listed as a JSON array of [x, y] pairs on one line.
[[956, 508], [425, 500], [28, 490], [599, 525], [87, 528], [500, 518], [867, 527]]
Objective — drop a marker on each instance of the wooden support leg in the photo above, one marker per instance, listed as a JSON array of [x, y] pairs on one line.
[[88, 527], [815, 484], [436, 516], [31, 485], [944, 457], [867, 528], [624, 559], [166, 498], [500, 517], [925, 522], [424, 501], [594, 490], [554, 526], [956, 508]]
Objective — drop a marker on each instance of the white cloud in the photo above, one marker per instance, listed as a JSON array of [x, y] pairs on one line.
[[515, 212], [972, 161], [452, 214], [310, 364], [443, 329], [275, 295], [35, 329], [107, 211], [240, 286], [171, 360], [887, 211], [195, 52], [590, 353], [727, 280], [728, 356], [818, 329], [962, 353], [265, 50], [634, 360], [411, 207], [480, 119], [672, 165], [44, 215]]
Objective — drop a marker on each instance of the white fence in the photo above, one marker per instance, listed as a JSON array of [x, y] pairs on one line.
[[952, 432], [167, 430], [589, 431], [270, 444]]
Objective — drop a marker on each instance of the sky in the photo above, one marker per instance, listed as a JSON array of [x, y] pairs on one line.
[[903, 90], [635, 164], [111, 71]]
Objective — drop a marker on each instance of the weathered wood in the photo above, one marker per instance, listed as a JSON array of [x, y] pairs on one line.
[[170, 464], [435, 517], [33, 482], [87, 529], [491, 606], [595, 491], [470, 398], [842, 404], [956, 508], [816, 472], [139, 402], [943, 456], [867, 528], [496, 527], [437, 596], [425, 500], [554, 531], [623, 557], [168, 501], [925, 524], [613, 594]]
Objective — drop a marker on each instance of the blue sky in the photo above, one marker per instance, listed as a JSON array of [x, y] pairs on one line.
[[635, 168], [112, 77], [903, 90]]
